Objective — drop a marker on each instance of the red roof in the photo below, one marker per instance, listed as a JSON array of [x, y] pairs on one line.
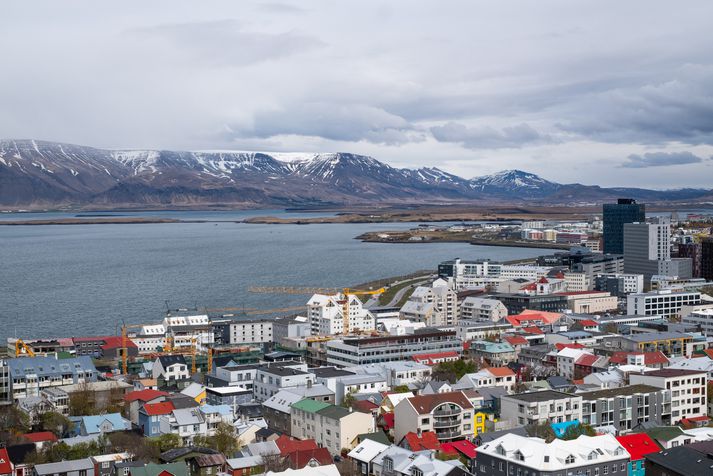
[[144, 395], [464, 447], [388, 420], [586, 360], [427, 441], [161, 408], [560, 346], [5, 464], [364, 406], [301, 458], [533, 330], [289, 445], [638, 445], [113, 342], [435, 356], [40, 436], [543, 280], [695, 419], [650, 358], [589, 323], [516, 340]]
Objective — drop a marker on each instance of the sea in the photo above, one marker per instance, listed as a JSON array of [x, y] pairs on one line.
[[74, 280]]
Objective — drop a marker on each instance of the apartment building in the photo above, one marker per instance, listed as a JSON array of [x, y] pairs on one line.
[[449, 415], [244, 331], [468, 329], [619, 284], [332, 427], [434, 305], [671, 344], [368, 350], [701, 316], [496, 354], [396, 373], [28, 376], [626, 407], [236, 375], [540, 407], [687, 387], [270, 379], [187, 423], [478, 308], [513, 454], [594, 264], [326, 314], [664, 303]]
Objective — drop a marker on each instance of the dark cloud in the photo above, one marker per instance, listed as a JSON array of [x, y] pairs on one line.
[[660, 159], [488, 137], [227, 42]]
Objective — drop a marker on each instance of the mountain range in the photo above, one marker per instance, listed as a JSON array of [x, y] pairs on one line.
[[39, 174]]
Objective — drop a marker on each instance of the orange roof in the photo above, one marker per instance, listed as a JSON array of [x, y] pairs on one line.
[[560, 346], [500, 371], [529, 315], [40, 436], [516, 340], [533, 330]]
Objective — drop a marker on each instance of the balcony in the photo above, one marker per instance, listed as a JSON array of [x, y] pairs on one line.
[[446, 412], [446, 422], [448, 434]]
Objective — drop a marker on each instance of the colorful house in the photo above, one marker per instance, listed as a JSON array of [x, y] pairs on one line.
[[638, 445]]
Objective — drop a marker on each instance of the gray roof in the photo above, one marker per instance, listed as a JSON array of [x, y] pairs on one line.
[[282, 400], [649, 336], [46, 366], [188, 416], [85, 464], [620, 391], [541, 396], [317, 390], [329, 372], [167, 360]]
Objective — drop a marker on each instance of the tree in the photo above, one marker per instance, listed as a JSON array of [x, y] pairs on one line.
[[224, 440], [81, 402], [56, 423], [401, 389], [348, 400], [541, 430], [275, 463], [168, 441], [575, 431], [135, 444], [454, 370], [13, 423]]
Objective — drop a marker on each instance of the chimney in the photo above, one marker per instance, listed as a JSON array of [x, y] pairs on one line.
[[418, 432], [309, 384]]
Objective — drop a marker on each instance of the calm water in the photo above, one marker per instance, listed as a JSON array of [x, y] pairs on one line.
[[66, 280]]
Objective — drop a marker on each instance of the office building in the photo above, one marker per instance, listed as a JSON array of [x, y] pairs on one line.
[[647, 250], [626, 210], [664, 303], [707, 259], [619, 284]]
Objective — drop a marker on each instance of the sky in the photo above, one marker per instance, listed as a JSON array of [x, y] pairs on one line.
[[597, 92]]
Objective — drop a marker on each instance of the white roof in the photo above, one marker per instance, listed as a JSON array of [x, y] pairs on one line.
[[397, 397], [537, 454], [367, 450], [328, 470], [193, 390], [282, 401], [571, 353]]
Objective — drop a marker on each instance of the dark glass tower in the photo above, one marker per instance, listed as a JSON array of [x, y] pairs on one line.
[[625, 210], [707, 259]]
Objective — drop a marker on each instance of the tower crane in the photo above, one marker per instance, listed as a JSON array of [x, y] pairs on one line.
[[124, 347], [23, 349]]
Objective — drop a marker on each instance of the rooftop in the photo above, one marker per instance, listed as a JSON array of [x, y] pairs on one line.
[[541, 396], [620, 391]]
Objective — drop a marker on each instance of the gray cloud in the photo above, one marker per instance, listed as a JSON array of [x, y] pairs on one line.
[[488, 137], [339, 122], [660, 159], [227, 42]]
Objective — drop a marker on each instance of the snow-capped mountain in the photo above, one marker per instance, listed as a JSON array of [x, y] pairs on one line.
[[48, 174]]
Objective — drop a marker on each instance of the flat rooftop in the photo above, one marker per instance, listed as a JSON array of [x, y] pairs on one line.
[[542, 396], [618, 392]]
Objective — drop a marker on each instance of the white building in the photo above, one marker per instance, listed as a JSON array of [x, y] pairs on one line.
[[170, 367], [577, 282], [435, 305], [327, 314], [489, 377], [688, 390], [474, 307], [271, 379], [184, 422], [396, 373], [664, 303], [540, 407], [699, 316]]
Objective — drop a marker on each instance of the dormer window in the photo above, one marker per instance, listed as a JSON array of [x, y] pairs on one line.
[[416, 472], [592, 455], [569, 459], [388, 464], [500, 450], [519, 456]]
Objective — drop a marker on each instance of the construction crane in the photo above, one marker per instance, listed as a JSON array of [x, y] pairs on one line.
[[168, 344], [193, 355], [210, 359], [345, 306], [23, 349]]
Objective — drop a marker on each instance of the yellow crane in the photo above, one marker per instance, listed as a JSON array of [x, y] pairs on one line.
[[345, 306], [210, 359], [125, 348], [193, 355], [23, 349]]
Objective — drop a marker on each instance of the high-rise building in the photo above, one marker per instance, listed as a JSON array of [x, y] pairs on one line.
[[707, 259], [626, 210], [647, 250], [692, 251]]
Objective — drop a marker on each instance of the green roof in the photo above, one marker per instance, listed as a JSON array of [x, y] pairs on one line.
[[176, 469], [664, 433], [309, 405], [379, 437], [334, 412]]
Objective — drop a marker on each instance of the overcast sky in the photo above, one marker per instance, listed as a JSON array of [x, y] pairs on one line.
[[614, 93]]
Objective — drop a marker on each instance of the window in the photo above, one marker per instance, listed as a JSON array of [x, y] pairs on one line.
[[569, 459], [388, 464], [519, 456], [606, 469]]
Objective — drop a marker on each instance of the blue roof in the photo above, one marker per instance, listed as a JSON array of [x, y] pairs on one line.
[[492, 347], [222, 409], [92, 424], [560, 428], [45, 366]]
